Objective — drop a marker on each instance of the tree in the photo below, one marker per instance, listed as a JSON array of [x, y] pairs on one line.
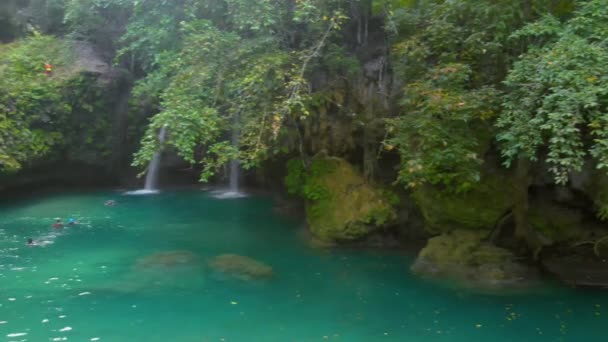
[[238, 67], [555, 107], [30, 101], [451, 59]]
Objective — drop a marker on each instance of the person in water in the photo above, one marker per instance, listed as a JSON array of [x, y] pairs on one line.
[[38, 243], [72, 222], [58, 224], [110, 203]]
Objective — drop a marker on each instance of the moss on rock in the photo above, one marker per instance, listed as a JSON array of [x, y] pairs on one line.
[[479, 208], [341, 204], [462, 255]]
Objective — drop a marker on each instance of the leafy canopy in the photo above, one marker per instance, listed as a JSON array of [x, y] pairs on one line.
[[557, 100]]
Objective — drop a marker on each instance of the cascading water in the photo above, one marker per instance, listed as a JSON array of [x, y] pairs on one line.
[[152, 176], [233, 184], [150, 186], [234, 166]]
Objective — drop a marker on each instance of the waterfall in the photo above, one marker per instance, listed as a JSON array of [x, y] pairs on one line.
[[233, 184], [152, 175], [234, 165]]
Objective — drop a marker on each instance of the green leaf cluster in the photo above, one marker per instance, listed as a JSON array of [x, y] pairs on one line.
[[557, 100]]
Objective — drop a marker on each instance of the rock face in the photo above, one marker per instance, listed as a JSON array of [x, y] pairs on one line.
[[479, 208], [463, 256], [558, 223], [341, 205], [169, 259], [240, 267], [579, 271], [597, 189]]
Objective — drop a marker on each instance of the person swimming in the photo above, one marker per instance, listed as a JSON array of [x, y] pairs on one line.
[[38, 243], [110, 203], [71, 221], [57, 224]]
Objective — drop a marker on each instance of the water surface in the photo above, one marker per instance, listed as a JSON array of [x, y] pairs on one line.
[[86, 285]]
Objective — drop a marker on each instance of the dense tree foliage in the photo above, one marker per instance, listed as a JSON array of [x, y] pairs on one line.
[[439, 83], [557, 93], [30, 101]]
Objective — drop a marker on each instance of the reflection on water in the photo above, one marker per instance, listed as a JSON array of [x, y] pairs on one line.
[[188, 267]]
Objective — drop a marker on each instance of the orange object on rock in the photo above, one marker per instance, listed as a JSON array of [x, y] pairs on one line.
[[48, 68]]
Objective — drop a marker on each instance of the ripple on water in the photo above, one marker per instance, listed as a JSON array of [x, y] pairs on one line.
[[16, 334], [368, 297]]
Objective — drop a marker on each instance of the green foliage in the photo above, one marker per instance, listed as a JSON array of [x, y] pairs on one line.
[[227, 69], [30, 101], [296, 177], [308, 183], [65, 115], [443, 136], [558, 94], [315, 188], [452, 67]]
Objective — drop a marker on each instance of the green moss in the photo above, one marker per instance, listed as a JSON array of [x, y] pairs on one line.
[[457, 246], [463, 255], [479, 208], [341, 204]]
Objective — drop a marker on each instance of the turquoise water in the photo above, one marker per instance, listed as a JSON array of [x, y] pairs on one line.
[[86, 285]]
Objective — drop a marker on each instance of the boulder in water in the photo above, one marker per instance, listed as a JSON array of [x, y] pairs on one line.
[[169, 259], [341, 204], [240, 267], [464, 257]]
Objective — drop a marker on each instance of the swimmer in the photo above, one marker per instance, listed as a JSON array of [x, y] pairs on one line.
[[38, 243], [57, 224], [72, 222], [110, 203]]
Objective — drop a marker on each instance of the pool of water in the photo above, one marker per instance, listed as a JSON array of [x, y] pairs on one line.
[[87, 283]]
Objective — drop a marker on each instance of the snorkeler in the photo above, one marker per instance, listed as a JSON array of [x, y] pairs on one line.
[[57, 224], [72, 222], [30, 242]]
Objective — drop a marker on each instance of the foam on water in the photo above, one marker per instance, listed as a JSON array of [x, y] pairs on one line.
[[142, 192], [220, 194]]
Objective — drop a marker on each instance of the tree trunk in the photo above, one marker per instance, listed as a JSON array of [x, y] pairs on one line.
[[523, 231], [520, 209]]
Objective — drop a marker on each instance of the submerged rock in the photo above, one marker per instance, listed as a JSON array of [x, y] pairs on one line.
[[167, 260], [463, 256], [240, 267]]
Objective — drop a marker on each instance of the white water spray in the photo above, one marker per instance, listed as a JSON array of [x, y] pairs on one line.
[[151, 185]]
